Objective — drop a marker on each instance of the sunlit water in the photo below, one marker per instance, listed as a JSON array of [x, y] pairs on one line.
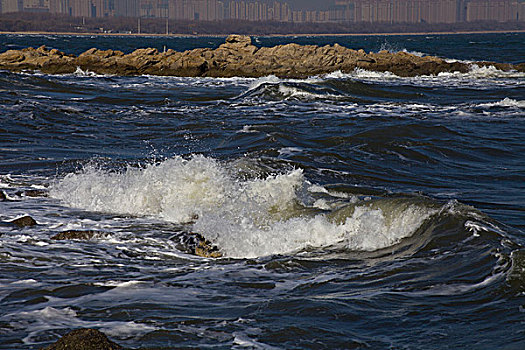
[[359, 210]]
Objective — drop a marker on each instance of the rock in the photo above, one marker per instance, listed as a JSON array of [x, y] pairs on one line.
[[84, 339], [236, 57], [195, 243], [13, 56], [206, 250], [243, 40], [76, 234], [32, 193], [24, 221], [3, 197]]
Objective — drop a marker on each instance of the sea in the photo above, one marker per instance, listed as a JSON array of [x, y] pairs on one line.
[[356, 210]]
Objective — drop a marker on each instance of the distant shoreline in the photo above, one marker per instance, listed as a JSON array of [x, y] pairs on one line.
[[269, 35]]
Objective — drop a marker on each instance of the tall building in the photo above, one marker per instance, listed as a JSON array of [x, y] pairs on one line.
[[59, 6], [495, 10], [126, 8], [12, 6], [427, 11], [99, 8], [366, 11], [35, 6]]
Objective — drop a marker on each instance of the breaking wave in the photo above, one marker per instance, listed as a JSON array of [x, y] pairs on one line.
[[245, 218]]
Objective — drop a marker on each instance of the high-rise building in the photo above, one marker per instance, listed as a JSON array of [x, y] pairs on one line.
[[368, 11], [59, 6], [36, 5], [126, 8], [426, 11], [12, 6]]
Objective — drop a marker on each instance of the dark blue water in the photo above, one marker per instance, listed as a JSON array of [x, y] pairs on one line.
[[358, 210]]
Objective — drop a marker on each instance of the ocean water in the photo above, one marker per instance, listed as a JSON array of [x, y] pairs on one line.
[[358, 210]]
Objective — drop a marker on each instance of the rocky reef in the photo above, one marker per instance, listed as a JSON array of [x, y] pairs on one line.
[[236, 57]]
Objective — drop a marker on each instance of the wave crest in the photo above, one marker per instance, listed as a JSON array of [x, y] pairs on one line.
[[276, 214]]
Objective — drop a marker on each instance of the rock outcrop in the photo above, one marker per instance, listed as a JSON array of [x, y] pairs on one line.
[[236, 57], [23, 221], [84, 339]]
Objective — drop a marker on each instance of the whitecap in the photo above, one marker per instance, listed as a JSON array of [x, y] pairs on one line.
[[248, 129], [506, 102], [86, 73], [276, 214]]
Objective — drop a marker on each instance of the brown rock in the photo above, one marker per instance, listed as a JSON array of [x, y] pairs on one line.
[[12, 56], [24, 221], [84, 339], [520, 67], [243, 40], [32, 193], [76, 234], [144, 52], [204, 248]]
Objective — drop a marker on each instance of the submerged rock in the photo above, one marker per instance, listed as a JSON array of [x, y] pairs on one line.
[[195, 243], [77, 234], [84, 339], [23, 221], [192, 243], [32, 193], [236, 57], [206, 250]]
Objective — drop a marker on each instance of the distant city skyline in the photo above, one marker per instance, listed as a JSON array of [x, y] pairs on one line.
[[371, 11]]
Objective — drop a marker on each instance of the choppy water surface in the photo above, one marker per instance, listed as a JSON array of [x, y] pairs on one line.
[[358, 210]]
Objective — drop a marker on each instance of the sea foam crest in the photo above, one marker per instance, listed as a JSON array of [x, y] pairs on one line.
[[276, 214], [475, 72], [277, 88], [86, 73], [506, 102], [176, 189], [484, 72]]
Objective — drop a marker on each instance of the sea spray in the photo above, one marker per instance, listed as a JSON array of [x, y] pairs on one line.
[[275, 214]]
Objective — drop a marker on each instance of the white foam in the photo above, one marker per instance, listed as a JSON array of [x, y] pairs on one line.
[[483, 72], [272, 79], [372, 228], [25, 282], [244, 218], [248, 129], [177, 189], [241, 339], [119, 284], [367, 74], [86, 73], [415, 53], [288, 151], [506, 102], [476, 76]]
